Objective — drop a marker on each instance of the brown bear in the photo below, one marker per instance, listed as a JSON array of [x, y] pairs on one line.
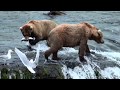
[[71, 35], [38, 29]]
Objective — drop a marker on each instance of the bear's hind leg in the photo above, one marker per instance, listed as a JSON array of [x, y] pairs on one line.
[[55, 57], [87, 49], [55, 51], [51, 51], [48, 53]]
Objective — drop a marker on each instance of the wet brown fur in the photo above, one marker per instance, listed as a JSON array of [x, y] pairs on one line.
[[71, 35], [40, 29]]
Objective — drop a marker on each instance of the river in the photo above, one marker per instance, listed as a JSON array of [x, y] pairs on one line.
[[109, 52]]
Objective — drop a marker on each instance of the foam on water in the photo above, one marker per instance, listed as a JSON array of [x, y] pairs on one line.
[[88, 71], [69, 73], [111, 73], [67, 51], [42, 45], [108, 54], [112, 56], [84, 72]]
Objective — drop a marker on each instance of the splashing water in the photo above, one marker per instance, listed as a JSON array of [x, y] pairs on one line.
[[112, 56], [88, 71], [111, 73]]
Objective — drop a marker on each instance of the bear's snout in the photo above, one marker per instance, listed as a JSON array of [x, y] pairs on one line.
[[99, 41], [102, 41]]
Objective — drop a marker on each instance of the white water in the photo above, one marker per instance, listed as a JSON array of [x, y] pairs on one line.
[[111, 73], [79, 73], [87, 71], [113, 56]]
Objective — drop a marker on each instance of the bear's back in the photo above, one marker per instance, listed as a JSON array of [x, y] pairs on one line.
[[69, 28]]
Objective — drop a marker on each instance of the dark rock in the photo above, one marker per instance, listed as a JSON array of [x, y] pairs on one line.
[[50, 71], [16, 70], [54, 13]]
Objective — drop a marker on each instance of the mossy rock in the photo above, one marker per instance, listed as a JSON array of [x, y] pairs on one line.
[[4, 73], [51, 71], [43, 71]]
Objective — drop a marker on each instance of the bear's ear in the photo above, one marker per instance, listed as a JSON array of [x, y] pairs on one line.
[[89, 25], [31, 27], [21, 28], [100, 33]]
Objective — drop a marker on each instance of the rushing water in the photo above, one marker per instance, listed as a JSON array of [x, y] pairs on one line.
[[106, 59], [88, 71], [102, 64]]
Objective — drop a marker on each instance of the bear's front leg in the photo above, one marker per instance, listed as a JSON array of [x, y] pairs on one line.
[[55, 57], [87, 50], [82, 50], [47, 54]]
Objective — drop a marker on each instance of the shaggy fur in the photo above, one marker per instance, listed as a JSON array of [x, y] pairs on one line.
[[71, 35], [38, 29]]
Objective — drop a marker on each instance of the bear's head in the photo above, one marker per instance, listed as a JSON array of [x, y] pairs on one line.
[[96, 34], [26, 31]]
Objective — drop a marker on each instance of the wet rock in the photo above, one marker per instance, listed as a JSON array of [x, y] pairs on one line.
[[16, 70], [71, 63], [54, 13], [50, 71]]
